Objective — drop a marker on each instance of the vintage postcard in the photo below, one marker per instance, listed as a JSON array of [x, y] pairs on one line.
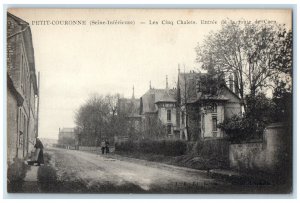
[[149, 101]]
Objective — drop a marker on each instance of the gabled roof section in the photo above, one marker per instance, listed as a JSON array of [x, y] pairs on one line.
[[165, 95], [189, 93], [17, 19], [27, 36], [232, 92]]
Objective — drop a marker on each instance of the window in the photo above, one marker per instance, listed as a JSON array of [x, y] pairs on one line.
[[169, 129], [214, 123], [169, 115], [182, 118], [214, 108]]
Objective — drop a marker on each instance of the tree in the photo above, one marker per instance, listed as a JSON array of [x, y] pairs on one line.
[[253, 54], [92, 119], [113, 120]]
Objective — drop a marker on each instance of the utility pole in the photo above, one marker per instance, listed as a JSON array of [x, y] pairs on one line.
[[38, 107]]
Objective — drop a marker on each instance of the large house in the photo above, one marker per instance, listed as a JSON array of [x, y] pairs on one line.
[[22, 90], [186, 112], [158, 109], [201, 111]]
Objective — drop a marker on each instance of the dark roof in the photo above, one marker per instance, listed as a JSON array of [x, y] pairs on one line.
[[19, 20], [188, 86], [153, 96], [26, 33], [165, 95]]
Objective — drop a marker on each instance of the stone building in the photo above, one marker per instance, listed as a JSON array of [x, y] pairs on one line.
[[22, 90]]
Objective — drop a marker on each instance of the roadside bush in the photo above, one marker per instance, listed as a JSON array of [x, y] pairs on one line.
[[16, 173], [128, 146], [163, 147], [239, 128]]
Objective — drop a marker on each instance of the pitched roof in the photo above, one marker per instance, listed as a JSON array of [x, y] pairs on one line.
[[153, 96], [188, 89], [26, 33]]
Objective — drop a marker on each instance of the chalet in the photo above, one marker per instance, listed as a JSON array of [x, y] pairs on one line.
[[201, 111]]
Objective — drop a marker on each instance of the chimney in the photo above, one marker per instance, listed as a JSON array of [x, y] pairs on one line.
[[133, 92], [150, 85], [167, 86]]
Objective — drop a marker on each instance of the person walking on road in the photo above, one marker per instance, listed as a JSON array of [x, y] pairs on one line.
[[106, 146], [103, 146]]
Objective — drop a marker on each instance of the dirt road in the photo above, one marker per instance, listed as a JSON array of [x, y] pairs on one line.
[[79, 171]]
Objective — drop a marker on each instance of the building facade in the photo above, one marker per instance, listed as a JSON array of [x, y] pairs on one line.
[[200, 111], [22, 90], [187, 112], [158, 111]]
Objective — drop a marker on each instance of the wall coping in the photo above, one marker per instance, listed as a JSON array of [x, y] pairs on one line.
[[277, 125]]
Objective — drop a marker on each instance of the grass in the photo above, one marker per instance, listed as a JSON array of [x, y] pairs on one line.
[[189, 161]]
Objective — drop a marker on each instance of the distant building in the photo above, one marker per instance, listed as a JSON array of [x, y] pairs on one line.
[[22, 90], [67, 137]]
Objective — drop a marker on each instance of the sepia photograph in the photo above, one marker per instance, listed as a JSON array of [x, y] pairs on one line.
[[149, 101]]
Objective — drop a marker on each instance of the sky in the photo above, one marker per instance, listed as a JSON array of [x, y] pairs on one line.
[[76, 61]]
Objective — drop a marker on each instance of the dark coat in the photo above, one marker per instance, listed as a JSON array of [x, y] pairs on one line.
[[39, 145]]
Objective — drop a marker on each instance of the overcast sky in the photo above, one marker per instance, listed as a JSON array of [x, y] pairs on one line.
[[77, 61]]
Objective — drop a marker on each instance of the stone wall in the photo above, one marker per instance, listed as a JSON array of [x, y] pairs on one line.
[[12, 131], [272, 154]]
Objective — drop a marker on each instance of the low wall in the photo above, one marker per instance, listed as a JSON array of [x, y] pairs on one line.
[[247, 156], [271, 155], [87, 148]]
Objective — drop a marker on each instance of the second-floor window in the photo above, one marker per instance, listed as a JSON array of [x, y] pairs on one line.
[[169, 115], [215, 124]]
